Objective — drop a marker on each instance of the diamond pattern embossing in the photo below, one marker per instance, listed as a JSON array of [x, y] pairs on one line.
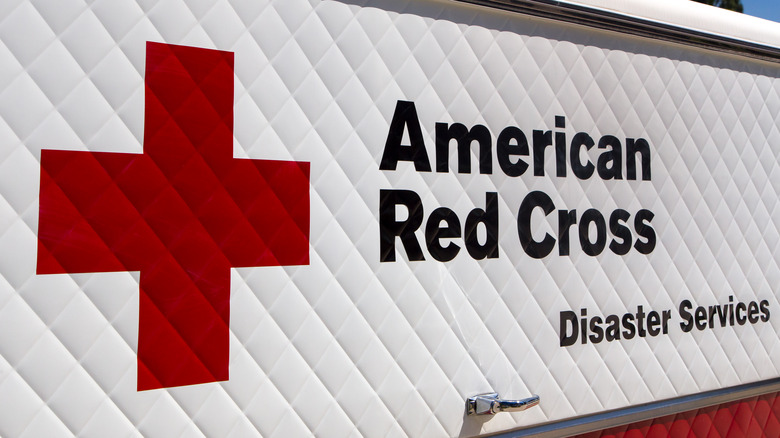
[[347, 346], [754, 417], [182, 213]]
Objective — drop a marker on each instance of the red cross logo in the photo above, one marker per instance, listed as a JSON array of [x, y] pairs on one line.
[[182, 213]]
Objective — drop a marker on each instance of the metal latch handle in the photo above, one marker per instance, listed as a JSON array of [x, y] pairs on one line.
[[490, 404]]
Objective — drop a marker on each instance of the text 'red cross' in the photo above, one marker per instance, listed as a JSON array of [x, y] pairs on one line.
[[182, 213]]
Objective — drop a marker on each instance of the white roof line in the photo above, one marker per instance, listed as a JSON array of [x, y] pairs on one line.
[[695, 16]]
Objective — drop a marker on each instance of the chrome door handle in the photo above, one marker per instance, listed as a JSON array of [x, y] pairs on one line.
[[490, 404]]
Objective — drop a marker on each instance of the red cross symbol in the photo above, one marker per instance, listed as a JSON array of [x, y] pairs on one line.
[[182, 213]]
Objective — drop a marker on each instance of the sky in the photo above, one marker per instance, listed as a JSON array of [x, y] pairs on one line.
[[767, 9]]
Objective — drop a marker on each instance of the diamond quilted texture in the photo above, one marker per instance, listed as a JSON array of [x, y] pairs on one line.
[[346, 345], [181, 213], [754, 417]]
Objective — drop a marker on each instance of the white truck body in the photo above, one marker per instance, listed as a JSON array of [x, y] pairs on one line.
[[678, 191]]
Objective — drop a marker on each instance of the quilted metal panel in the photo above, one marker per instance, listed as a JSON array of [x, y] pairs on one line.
[[754, 417], [351, 346], [182, 213]]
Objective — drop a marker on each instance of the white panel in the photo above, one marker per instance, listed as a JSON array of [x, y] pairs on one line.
[[349, 345]]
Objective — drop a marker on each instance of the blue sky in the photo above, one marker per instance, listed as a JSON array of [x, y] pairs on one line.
[[768, 9]]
